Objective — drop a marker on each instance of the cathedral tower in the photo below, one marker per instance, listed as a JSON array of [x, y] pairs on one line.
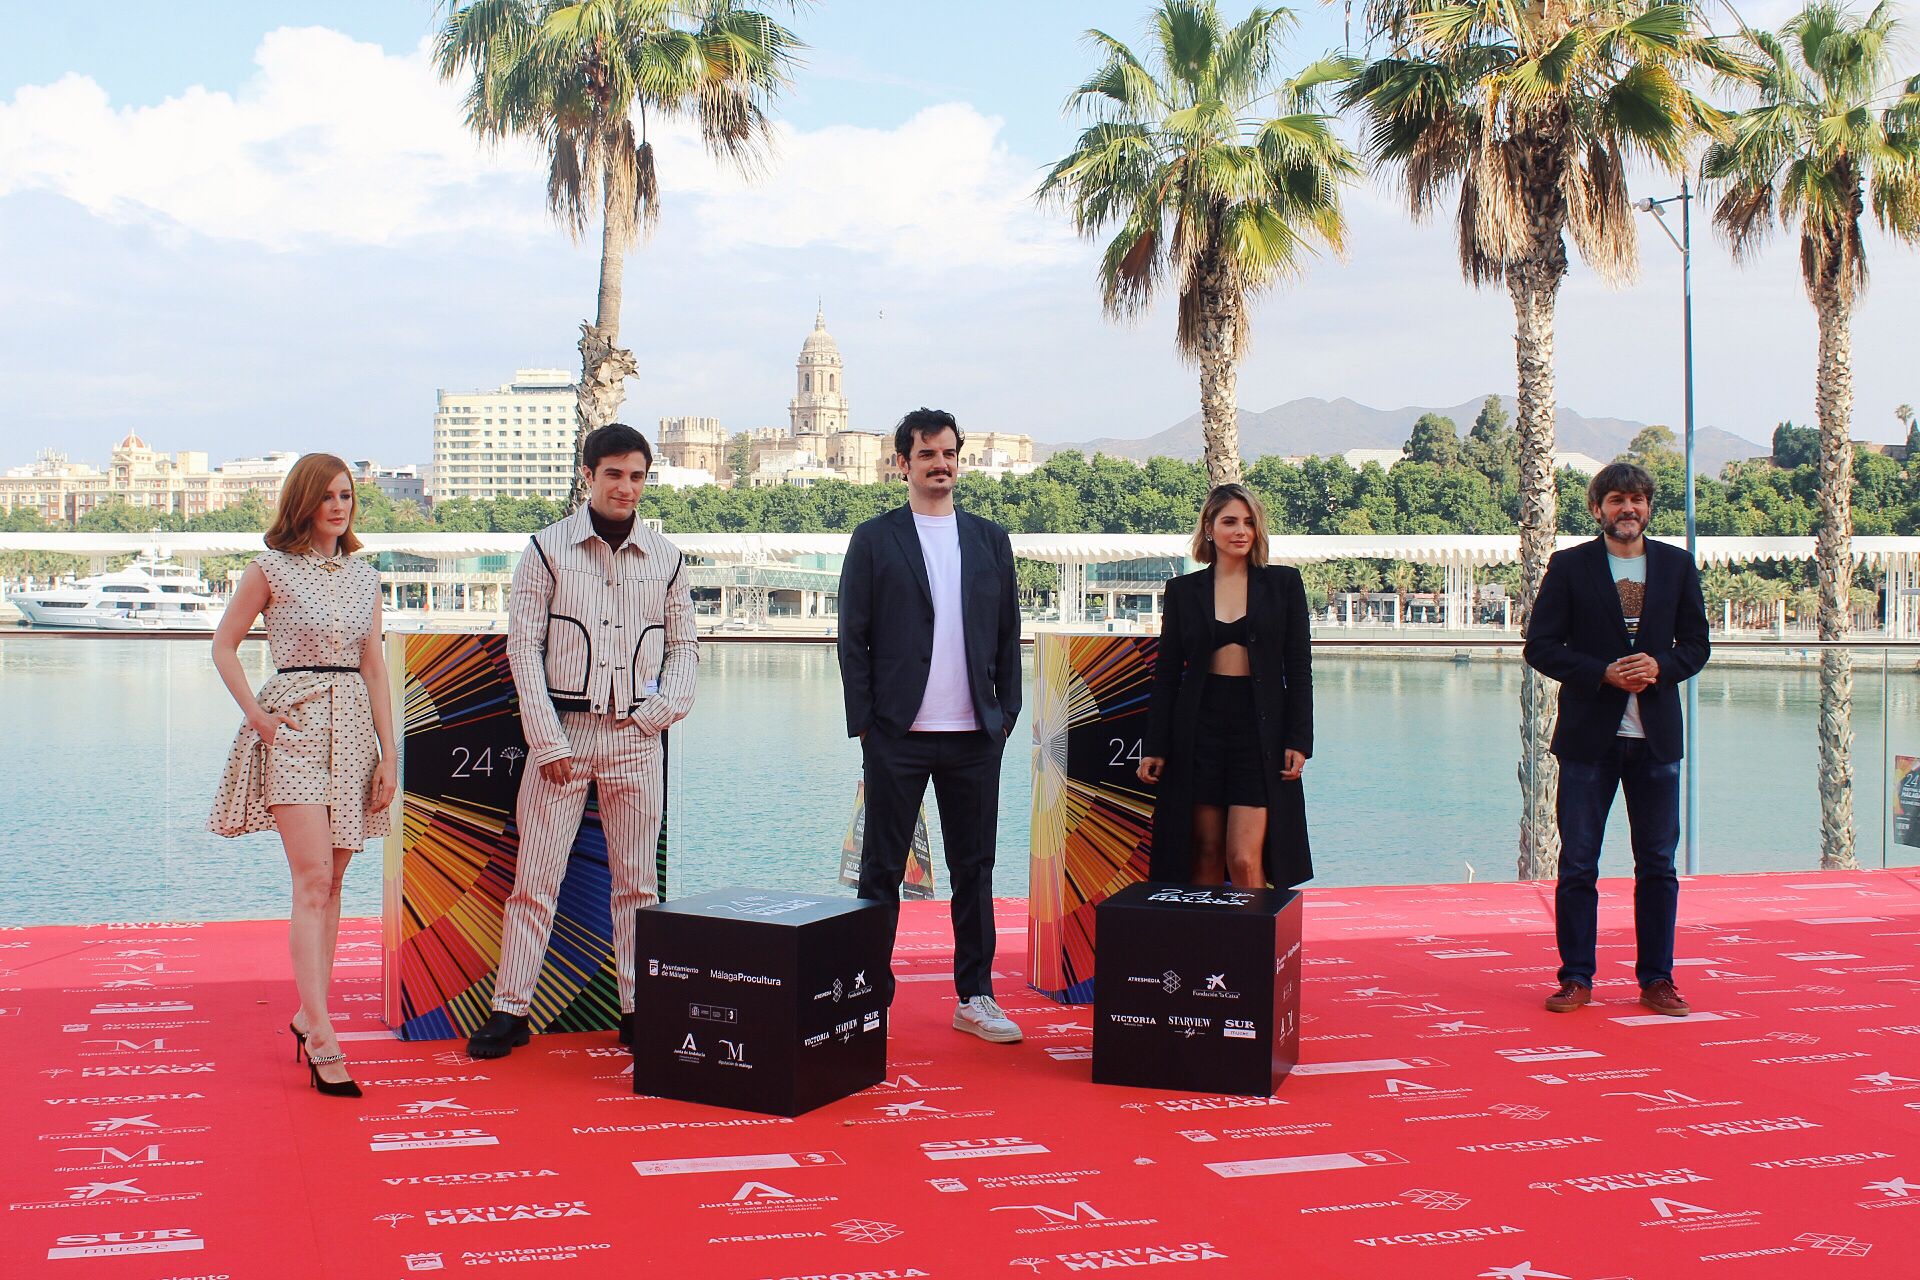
[[819, 406]]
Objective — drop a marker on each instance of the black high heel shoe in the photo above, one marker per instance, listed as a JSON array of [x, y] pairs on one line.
[[299, 1040], [331, 1088]]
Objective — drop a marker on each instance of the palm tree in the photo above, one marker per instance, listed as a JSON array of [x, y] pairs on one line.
[[1401, 578], [1364, 579], [1317, 577], [1805, 604], [1203, 182], [584, 79], [1717, 584], [1832, 133], [1533, 113]]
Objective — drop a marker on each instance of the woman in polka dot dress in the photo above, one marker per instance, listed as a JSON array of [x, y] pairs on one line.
[[314, 760]]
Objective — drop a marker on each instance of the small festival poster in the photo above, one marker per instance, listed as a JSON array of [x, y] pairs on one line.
[[919, 879], [1906, 800]]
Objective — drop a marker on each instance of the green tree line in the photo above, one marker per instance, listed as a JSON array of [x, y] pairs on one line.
[[1446, 483]]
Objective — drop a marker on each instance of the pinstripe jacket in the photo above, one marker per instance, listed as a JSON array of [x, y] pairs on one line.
[[607, 632]]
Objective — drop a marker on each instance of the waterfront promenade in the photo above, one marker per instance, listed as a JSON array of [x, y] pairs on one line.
[[1442, 1124], [788, 582]]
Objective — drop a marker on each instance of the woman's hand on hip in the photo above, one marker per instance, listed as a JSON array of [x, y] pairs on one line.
[[267, 723]]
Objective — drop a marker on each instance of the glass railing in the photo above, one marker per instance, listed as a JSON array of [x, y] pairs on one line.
[[117, 743]]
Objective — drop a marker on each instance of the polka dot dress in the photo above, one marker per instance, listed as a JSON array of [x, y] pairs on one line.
[[317, 616]]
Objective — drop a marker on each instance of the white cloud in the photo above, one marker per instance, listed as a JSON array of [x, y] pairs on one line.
[[336, 140], [331, 139], [938, 193]]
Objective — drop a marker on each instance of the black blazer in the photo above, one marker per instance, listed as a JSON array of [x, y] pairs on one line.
[[886, 624], [1577, 629], [1280, 654]]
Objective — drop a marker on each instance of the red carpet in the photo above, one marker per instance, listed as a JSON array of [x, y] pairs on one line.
[[1445, 1125]]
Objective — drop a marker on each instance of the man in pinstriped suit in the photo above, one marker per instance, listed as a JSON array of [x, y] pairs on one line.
[[601, 639]]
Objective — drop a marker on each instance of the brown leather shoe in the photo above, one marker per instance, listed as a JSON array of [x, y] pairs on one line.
[[1662, 998], [1569, 997]]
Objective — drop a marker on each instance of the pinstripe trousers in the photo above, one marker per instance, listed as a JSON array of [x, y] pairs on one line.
[[625, 762]]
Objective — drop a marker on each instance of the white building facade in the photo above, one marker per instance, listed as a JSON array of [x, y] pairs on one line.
[[515, 441], [138, 475]]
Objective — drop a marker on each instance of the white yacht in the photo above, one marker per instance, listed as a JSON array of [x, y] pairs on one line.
[[151, 594]]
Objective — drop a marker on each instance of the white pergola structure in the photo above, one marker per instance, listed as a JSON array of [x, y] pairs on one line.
[[1896, 560]]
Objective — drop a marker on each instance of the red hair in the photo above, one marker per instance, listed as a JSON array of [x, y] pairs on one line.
[[301, 496]]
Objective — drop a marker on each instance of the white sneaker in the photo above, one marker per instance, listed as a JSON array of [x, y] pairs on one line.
[[982, 1016]]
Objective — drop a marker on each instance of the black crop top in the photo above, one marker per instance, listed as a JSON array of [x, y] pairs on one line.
[[1226, 633]]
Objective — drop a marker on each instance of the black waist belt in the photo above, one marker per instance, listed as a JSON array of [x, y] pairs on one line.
[[285, 671], [561, 703]]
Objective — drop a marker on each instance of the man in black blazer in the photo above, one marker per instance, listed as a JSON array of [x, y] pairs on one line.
[[1620, 623], [930, 663]]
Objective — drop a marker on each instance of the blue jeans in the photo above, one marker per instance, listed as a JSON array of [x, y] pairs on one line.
[[1653, 818]]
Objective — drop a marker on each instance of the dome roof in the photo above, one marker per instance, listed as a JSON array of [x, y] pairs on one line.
[[820, 340]]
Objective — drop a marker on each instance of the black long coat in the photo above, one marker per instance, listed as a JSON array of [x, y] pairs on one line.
[[1279, 649]]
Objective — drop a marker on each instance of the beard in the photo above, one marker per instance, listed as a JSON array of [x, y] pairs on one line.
[[1613, 528]]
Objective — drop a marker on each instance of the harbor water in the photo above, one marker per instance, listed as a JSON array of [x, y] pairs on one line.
[[116, 744]]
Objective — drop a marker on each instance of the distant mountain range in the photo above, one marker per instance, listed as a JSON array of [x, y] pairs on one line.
[[1329, 427]]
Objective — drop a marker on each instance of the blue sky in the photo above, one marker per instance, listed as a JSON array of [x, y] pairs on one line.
[[247, 226]]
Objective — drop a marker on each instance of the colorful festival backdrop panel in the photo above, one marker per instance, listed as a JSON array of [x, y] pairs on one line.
[[1092, 817], [449, 873], [1906, 800], [919, 882]]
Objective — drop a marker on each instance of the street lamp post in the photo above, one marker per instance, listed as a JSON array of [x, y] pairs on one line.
[[1684, 243]]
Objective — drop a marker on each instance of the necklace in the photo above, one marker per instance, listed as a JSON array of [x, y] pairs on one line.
[[332, 563]]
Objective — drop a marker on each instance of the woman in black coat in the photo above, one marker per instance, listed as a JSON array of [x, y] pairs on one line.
[[1231, 722]]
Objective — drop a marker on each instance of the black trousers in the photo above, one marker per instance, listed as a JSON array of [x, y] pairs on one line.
[[965, 771]]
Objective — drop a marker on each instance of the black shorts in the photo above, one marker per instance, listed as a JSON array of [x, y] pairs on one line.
[[1228, 768]]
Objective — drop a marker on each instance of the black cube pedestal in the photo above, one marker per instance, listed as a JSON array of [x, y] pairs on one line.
[[758, 1000], [1199, 988]]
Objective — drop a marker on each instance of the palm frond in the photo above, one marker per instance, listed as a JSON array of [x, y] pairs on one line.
[[1896, 201], [1132, 264], [1122, 82], [1188, 33], [1302, 92], [1448, 25], [1481, 269], [1536, 81], [1647, 112], [1175, 149], [1599, 214], [1245, 55], [571, 185], [1533, 113], [1819, 148], [582, 77]]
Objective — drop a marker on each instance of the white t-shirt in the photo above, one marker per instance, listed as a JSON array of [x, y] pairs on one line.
[[1630, 580], [948, 703]]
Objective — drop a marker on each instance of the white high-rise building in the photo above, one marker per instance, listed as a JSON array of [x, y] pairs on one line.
[[515, 441]]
